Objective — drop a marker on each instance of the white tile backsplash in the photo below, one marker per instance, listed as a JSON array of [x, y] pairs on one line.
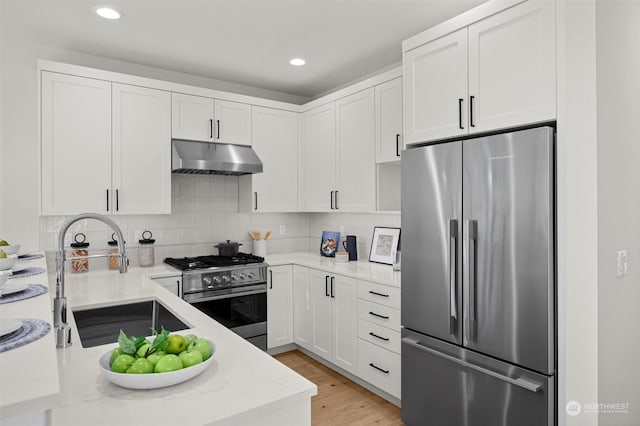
[[205, 212]]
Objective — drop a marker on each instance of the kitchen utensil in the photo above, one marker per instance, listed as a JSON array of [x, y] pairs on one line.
[[350, 245], [258, 235], [252, 234], [267, 235], [228, 249], [154, 380]]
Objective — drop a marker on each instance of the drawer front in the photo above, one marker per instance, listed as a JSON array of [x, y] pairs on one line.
[[379, 314], [379, 367], [379, 335], [379, 293]]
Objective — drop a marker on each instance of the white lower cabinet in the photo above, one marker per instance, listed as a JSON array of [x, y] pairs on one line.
[[379, 367], [325, 320], [279, 306]]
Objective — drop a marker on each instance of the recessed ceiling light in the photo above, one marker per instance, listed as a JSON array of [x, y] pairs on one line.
[[297, 61], [108, 13]]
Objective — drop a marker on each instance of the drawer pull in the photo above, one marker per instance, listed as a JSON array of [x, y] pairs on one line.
[[378, 368], [386, 339], [378, 315], [378, 294]]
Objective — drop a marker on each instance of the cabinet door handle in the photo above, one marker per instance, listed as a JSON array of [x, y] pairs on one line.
[[255, 194], [337, 200], [378, 368], [332, 200], [107, 200], [386, 339], [326, 285], [218, 126], [378, 294], [332, 282], [117, 200], [397, 144], [211, 128], [460, 100], [270, 279], [471, 98], [378, 315]]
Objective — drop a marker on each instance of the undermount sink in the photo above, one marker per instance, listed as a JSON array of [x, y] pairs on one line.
[[100, 326]]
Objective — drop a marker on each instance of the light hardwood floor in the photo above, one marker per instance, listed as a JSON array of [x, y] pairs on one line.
[[339, 400]]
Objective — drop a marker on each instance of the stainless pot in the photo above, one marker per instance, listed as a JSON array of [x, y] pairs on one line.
[[230, 248]]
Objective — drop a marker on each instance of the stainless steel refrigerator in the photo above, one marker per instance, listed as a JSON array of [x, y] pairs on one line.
[[478, 281]]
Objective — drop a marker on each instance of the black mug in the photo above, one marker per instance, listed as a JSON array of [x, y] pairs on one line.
[[350, 245]]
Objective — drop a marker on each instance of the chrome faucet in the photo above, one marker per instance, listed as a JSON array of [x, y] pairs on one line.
[[63, 331]]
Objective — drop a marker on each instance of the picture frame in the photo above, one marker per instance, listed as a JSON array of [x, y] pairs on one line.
[[329, 243], [384, 245]]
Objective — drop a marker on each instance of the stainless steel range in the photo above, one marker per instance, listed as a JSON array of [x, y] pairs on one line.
[[230, 289]]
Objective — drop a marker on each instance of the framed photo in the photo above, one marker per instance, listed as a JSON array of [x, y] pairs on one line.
[[329, 243], [384, 245]]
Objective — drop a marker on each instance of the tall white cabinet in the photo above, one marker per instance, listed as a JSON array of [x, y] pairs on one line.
[[275, 141], [105, 147], [141, 145], [337, 158], [76, 144], [495, 73]]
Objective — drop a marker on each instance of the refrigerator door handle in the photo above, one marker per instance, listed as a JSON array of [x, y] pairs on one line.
[[520, 382], [473, 245], [453, 250]]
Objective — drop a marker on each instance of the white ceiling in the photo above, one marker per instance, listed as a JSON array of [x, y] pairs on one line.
[[243, 41]]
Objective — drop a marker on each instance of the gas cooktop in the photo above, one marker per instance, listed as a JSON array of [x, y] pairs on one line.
[[207, 262]]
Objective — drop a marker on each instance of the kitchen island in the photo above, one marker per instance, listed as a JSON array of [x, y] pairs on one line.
[[242, 386]]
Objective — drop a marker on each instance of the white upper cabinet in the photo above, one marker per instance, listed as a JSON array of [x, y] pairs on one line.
[[388, 108], [141, 150], [75, 145], [210, 120], [435, 91], [317, 159], [106, 147], [496, 73], [512, 69], [355, 189], [275, 141], [232, 122], [191, 117]]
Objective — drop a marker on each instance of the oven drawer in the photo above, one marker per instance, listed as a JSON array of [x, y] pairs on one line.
[[378, 335], [379, 367], [379, 314], [379, 293]]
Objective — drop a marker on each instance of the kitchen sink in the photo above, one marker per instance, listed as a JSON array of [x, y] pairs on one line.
[[100, 326]]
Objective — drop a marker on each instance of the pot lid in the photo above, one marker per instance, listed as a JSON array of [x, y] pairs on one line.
[[229, 243]]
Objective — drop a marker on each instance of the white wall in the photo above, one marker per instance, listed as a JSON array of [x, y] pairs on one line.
[[618, 65], [577, 210]]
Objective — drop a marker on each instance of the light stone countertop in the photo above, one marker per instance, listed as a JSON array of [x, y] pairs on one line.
[[361, 269], [240, 386], [29, 374]]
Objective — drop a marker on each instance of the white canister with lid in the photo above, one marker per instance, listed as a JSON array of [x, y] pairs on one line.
[[146, 256]]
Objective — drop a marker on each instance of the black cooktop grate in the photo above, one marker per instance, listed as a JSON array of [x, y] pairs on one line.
[[203, 262]]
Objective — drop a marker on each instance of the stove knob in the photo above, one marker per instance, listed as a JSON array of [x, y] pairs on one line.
[[234, 278], [242, 276], [216, 280], [226, 278], [251, 275], [206, 280]]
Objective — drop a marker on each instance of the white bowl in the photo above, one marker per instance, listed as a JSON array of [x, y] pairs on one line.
[[4, 276], [11, 248], [8, 263], [153, 380]]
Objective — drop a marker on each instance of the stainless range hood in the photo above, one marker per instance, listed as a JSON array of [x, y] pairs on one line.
[[194, 157]]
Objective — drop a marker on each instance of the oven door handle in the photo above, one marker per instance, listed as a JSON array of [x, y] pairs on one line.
[[222, 296]]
